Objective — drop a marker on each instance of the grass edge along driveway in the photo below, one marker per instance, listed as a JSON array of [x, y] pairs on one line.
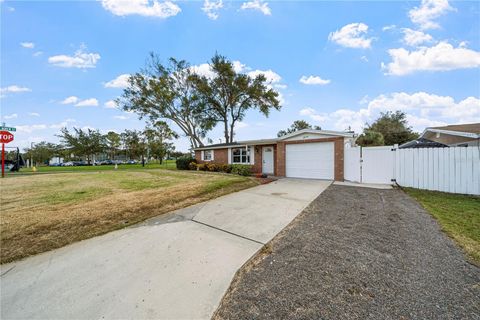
[[45, 212], [457, 214]]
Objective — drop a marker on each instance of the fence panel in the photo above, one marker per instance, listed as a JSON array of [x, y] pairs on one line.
[[455, 169], [378, 164], [351, 164]]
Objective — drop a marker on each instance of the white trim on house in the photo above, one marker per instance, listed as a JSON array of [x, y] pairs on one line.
[[203, 155], [320, 132], [250, 149]]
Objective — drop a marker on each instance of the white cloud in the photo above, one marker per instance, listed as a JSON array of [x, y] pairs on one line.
[[441, 57], [14, 89], [92, 102], [34, 114], [38, 53], [62, 124], [203, 70], [364, 58], [414, 37], [389, 27], [110, 104], [211, 8], [148, 8], [307, 112], [119, 82], [11, 116], [31, 128], [313, 80], [352, 36], [257, 5], [80, 59], [271, 76], [121, 117], [28, 45], [429, 11], [422, 109], [70, 100]]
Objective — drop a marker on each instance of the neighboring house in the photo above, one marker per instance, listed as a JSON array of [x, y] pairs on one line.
[[422, 143], [459, 135], [316, 154]]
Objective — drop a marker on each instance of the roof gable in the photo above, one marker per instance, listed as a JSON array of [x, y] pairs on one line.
[[317, 132]]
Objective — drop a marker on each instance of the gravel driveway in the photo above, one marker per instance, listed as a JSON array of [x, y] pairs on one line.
[[357, 253]]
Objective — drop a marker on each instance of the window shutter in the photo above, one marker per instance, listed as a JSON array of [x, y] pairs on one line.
[[202, 156], [213, 154]]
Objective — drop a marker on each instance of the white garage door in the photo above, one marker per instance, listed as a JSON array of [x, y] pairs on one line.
[[310, 160]]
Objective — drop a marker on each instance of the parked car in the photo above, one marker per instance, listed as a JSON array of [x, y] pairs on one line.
[[131, 162], [107, 162], [68, 164]]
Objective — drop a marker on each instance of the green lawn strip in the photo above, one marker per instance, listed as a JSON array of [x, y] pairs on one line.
[[169, 164], [459, 216]]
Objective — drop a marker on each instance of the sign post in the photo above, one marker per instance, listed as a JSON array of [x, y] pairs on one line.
[[5, 137]]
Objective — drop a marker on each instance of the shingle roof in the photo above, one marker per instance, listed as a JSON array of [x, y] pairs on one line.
[[470, 127], [422, 143]]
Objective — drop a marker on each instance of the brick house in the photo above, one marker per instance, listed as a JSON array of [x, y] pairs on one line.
[[315, 154]]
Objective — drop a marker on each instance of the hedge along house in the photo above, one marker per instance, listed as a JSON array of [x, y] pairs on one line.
[[313, 154]]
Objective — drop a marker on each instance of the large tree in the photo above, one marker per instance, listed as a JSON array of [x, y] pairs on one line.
[[167, 92], [83, 142], [158, 135], [113, 142], [297, 126], [394, 128], [228, 94], [370, 139], [42, 152]]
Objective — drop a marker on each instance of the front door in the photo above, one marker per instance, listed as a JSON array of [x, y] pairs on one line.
[[267, 160]]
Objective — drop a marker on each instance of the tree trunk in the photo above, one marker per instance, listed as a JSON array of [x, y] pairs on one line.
[[227, 140]]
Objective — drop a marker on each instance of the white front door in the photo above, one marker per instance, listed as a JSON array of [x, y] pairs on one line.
[[267, 160]]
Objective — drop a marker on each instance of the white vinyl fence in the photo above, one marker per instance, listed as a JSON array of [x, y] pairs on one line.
[[455, 169]]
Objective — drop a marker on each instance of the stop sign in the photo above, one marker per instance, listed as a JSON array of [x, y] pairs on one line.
[[6, 137]]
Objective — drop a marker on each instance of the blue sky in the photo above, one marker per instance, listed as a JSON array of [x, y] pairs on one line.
[[336, 64]]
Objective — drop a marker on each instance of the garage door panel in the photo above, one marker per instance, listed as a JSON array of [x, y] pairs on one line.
[[310, 160]]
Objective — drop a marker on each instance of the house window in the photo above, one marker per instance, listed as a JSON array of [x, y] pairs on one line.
[[208, 155], [241, 155]]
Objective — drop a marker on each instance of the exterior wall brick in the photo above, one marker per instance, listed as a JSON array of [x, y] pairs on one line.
[[219, 156], [280, 159]]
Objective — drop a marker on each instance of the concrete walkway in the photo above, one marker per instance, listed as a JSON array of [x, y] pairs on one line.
[[177, 265]]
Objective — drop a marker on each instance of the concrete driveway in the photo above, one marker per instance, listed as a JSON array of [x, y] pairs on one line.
[[177, 265]]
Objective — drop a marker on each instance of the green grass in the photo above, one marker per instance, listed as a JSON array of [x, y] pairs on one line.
[[40, 212], [459, 216], [168, 164]]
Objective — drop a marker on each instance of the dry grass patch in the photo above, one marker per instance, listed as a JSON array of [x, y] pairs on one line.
[[44, 212]]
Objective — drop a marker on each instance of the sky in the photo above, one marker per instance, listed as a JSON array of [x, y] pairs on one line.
[[335, 64]]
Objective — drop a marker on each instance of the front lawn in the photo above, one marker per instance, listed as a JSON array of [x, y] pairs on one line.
[[459, 216], [41, 212]]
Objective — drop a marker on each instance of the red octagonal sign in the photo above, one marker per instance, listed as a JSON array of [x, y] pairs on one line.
[[6, 137]]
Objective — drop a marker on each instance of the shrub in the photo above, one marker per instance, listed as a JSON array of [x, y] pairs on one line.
[[183, 163], [227, 168], [202, 167], [213, 167], [242, 169], [192, 165]]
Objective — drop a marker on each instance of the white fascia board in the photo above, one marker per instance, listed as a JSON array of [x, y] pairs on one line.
[[452, 133]]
